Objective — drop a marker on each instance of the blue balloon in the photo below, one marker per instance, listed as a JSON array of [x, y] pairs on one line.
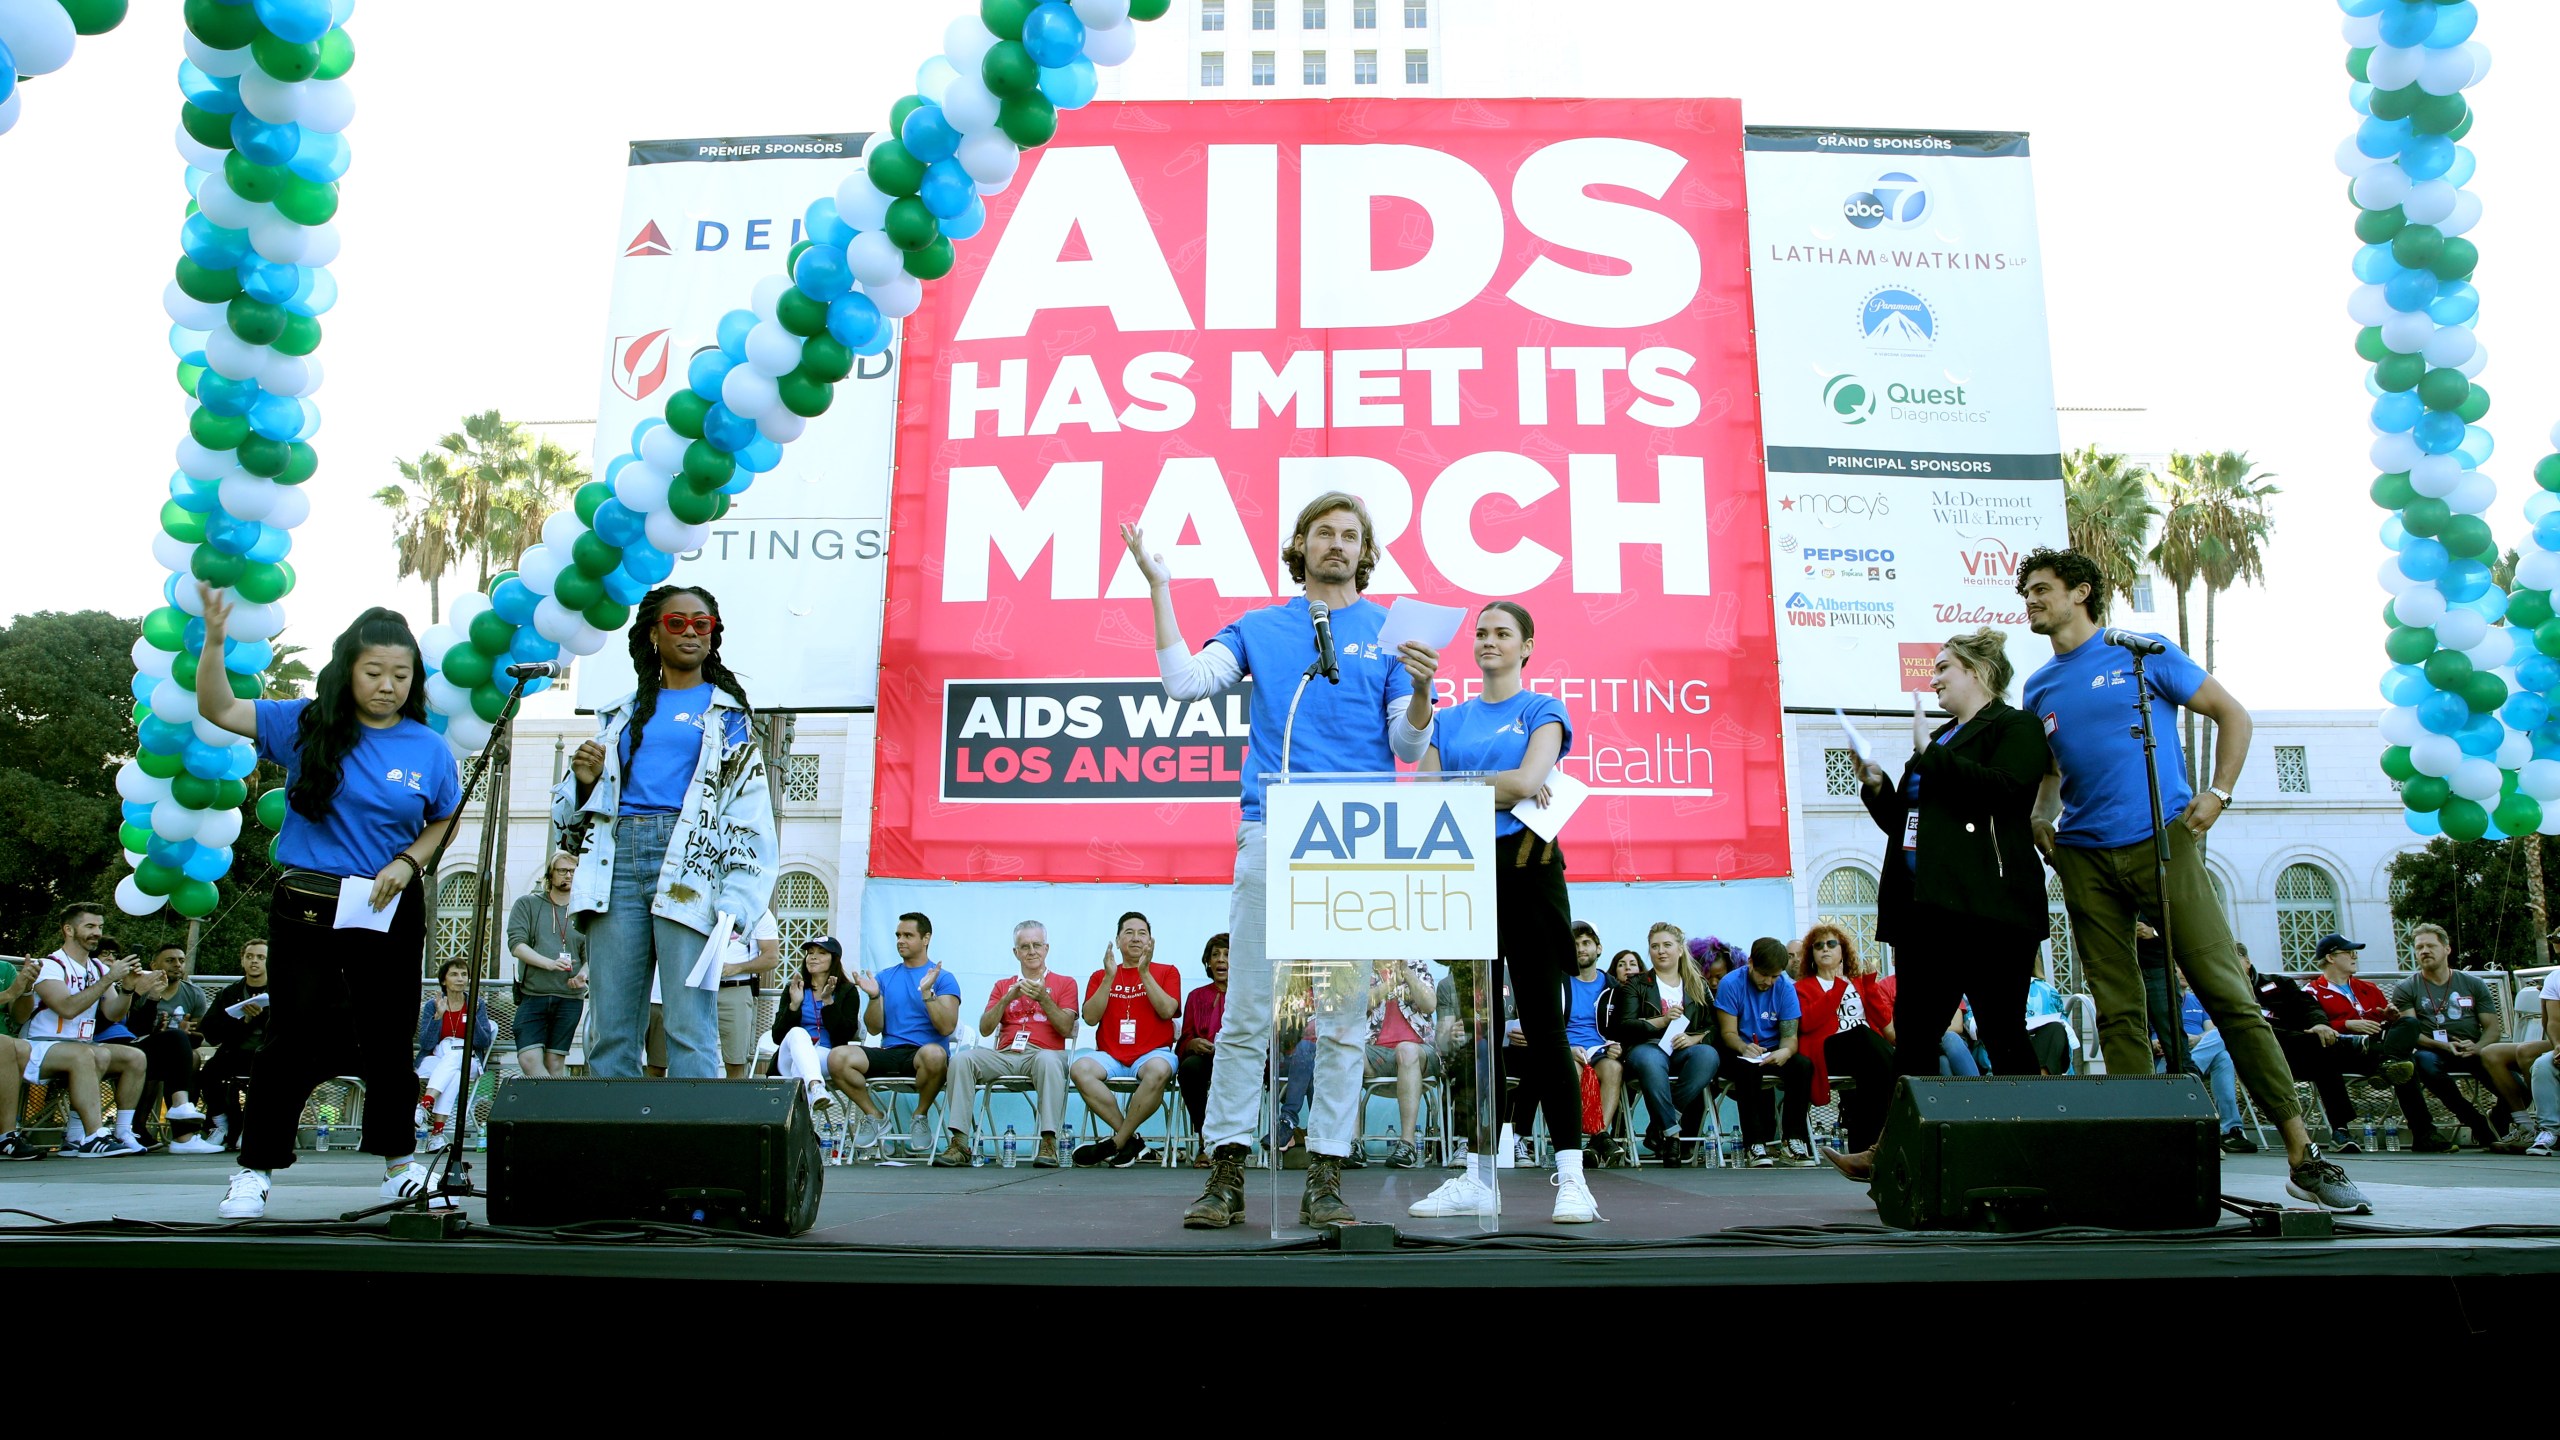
[[855, 321], [278, 417], [195, 637], [225, 396], [732, 333], [2464, 581], [614, 467], [2455, 303], [199, 497], [2538, 673], [2381, 139], [2405, 23], [2490, 605], [947, 189], [2525, 712], [2360, 98], [300, 21], [2546, 531], [271, 546], [1053, 34], [967, 223], [137, 814], [2438, 432], [210, 245], [320, 158], [759, 455], [2423, 822], [247, 657], [2424, 559], [340, 11], [514, 601], [2426, 156], [709, 367], [725, 430], [221, 97], [529, 648], [2454, 24], [171, 852], [2444, 713], [1071, 86], [647, 563], [269, 280], [2476, 448], [2465, 165], [187, 345], [2373, 264], [2362, 7], [2394, 534], [2481, 735], [617, 526], [267, 144], [623, 588], [207, 864], [824, 226], [2405, 685], [738, 481], [315, 295], [822, 271], [928, 135], [2397, 411], [2411, 290], [208, 762], [142, 685], [228, 535]]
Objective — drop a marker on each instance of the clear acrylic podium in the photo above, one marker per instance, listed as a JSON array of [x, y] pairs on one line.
[[1378, 890]]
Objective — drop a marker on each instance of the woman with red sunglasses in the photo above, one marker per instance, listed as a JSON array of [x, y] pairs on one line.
[[669, 815]]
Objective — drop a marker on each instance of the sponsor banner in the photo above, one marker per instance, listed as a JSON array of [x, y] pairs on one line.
[[1359, 871], [798, 561], [1907, 396], [1064, 742], [1520, 330]]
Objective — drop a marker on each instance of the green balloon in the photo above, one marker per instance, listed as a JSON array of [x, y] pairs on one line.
[[262, 456], [907, 105], [337, 54], [825, 358], [2434, 114], [2474, 405], [608, 614], [301, 335], [196, 899], [1005, 17], [212, 287], [575, 589], [2463, 819], [223, 27], [2369, 344], [706, 467], [135, 837], [2375, 226], [218, 432], [308, 202], [2484, 692], [2457, 260], [2397, 372], [252, 181], [301, 462], [2448, 669], [491, 634], [188, 375], [265, 583], [687, 502], [791, 262], [2398, 104], [284, 60], [2527, 609], [215, 568], [2409, 645], [801, 313], [894, 169], [803, 396], [1028, 120], [205, 127], [488, 702], [193, 791], [2458, 131], [1009, 70], [94, 17], [686, 410], [2357, 59], [271, 808], [180, 523], [2417, 246], [166, 628], [2546, 472], [2426, 516], [933, 261], [589, 499], [2426, 793], [2465, 535], [2395, 763], [255, 321], [158, 767], [2393, 490], [153, 878], [232, 794], [183, 670], [1149, 9], [2546, 637], [910, 226], [467, 665], [2519, 815]]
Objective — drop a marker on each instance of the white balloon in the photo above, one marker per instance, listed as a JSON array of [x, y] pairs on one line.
[[320, 243], [859, 202], [990, 158], [2381, 186], [899, 298], [2460, 629], [278, 239], [2392, 454], [2408, 332], [173, 702], [284, 374], [2466, 214], [663, 449], [247, 496], [2392, 581], [933, 77], [562, 530], [441, 637], [195, 152], [2361, 30], [2538, 569], [2479, 54], [782, 427], [674, 536], [2429, 201], [2449, 346], [772, 350], [2470, 369], [233, 358], [2442, 72], [2515, 752], [249, 619], [2420, 605], [468, 606], [2539, 504], [587, 641], [969, 105], [2349, 158], [328, 106], [189, 311], [448, 697], [1111, 47], [138, 788], [766, 298], [466, 733], [2436, 474], [541, 564], [965, 43], [215, 198], [220, 64], [2539, 779], [274, 101], [197, 463], [1101, 14], [218, 828], [556, 622], [2476, 492], [2495, 650], [172, 554], [193, 604], [212, 734], [749, 394], [129, 896], [2399, 725], [173, 821], [2366, 305], [150, 659], [38, 33], [640, 488], [2476, 778], [2391, 66], [2435, 755], [873, 260]]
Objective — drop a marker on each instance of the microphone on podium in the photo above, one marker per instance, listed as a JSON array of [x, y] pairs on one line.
[[541, 670], [2138, 644], [1322, 615]]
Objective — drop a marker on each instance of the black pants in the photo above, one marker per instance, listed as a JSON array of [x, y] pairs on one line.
[[2052, 1044], [346, 1003], [2328, 1066], [2439, 1074], [1750, 1081], [1191, 1074], [169, 1063], [1534, 923], [1943, 958], [1861, 1057], [224, 1081]]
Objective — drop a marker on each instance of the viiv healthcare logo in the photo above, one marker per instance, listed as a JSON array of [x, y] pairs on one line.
[[1989, 560], [1849, 399], [650, 241], [1894, 320], [1896, 199], [640, 363]]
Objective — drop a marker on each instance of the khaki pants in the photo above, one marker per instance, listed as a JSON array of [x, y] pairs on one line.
[[2103, 890], [1045, 1069]]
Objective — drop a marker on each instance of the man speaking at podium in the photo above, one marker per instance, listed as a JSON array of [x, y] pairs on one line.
[[1365, 709]]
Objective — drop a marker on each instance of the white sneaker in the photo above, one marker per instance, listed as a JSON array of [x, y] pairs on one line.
[[1574, 1205], [1757, 1157], [1506, 1150], [2544, 1143], [920, 1135], [405, 1185], [247, 1197], [1465, 1195], [221, 1135], [821, 1102], [187, 1111], [867, 1129], [196, 1145]]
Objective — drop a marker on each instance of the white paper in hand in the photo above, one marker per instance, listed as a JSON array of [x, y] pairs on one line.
[[1671, 1033], [1411, 619], [715, 953], [241, 1010], [1544, 821], [355, 906], [1858, 745]]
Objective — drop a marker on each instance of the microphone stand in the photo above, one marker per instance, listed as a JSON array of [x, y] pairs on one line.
[[2173, 1026], [442, 1201]]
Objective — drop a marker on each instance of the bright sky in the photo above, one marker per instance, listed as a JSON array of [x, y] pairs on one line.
[[2195, 236]]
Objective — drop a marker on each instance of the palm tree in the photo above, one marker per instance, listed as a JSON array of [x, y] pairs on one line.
[[512, 483], [2537, 904], [2232, 527], [2178, 554], [287, 676], [546, 481], [426, 523], [2108, 502]]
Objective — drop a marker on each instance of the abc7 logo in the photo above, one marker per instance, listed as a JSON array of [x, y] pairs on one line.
[[1897, 199]]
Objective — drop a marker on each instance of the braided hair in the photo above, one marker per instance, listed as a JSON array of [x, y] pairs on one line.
[[327, 732], [652, 674]]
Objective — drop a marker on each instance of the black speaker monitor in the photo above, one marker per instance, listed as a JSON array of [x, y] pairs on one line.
[[737, 1153], [2134, 1152]]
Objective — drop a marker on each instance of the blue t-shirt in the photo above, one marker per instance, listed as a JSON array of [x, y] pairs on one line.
[[655, 780], [1582, 1011], [2084, 702], [907, 1022], [809, 1017], [1756, 1013], [390, 786], [1911, 797], [1489, 735], [1340, 727]]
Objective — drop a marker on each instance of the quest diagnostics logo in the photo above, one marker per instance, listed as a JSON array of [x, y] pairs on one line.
[[1896, 320], [1850, 400], [1897, 199]]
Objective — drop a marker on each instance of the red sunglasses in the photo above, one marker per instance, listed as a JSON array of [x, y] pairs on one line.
[[694, 624]]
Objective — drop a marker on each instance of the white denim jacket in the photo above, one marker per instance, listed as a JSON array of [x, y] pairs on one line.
[[723, 854]]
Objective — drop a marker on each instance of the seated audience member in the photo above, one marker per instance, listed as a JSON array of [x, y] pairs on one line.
[[1130, 1003], [1454, 1055], [78, 995], [1195, 1045], [1757, 1015], [17, 992], [2361, 1014], [1028, 1020], [1667, 1033], [551, 971], [915, 1010], [168, 1011], [2207, 1056], [1401, 998], [2333, 1028], [2448, 1015], [443, 1031], [1595, 1056], [1847, 1022], [2510, 1066], [2545, 1082], [1957, 1052], [236, 1040], [2049, 1031], [1625, 968], [820, 1009], [1716, 960]]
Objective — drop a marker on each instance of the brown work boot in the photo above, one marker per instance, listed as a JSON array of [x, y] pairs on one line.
[[1323, 1205], [1222, 1203], [955, 1154], [1047, 1158]]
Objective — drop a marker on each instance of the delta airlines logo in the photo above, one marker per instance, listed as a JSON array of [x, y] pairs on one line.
[[640, 363], [650, 241]]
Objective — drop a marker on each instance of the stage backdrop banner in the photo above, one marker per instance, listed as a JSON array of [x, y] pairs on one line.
[[797, 562], [1907, 395], [1520, 330]]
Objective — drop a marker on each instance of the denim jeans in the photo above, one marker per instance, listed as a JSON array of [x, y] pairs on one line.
[[1955, 1055], [1244, 1037], [2546, 1093], [2209, 1057], [1674, 1085], [625, 946]]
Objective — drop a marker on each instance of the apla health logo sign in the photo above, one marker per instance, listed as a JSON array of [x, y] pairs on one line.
[[1358, 871]]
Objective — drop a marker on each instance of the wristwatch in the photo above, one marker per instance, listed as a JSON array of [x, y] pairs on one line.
[[2218, 793]]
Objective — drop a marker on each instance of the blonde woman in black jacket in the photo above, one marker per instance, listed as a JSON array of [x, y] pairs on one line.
[[1962, 897]]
